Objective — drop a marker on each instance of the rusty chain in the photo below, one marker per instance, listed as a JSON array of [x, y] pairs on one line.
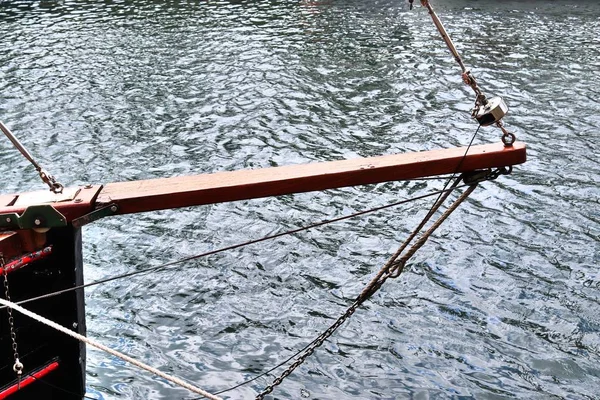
[[18, 366], [392, 269]]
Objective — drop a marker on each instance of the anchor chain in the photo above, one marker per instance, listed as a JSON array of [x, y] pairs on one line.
[[394, 267], [311, 348], [18, 366]]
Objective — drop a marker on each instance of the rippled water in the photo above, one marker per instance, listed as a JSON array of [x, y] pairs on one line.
[[503, 302]]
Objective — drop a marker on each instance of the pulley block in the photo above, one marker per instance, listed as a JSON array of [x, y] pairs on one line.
[[493, 111]]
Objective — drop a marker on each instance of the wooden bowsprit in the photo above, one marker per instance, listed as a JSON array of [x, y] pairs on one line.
[[31, 222], [159, 194]]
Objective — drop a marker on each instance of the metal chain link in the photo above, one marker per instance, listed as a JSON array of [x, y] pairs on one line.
[[508, 138], [392, 269], [310, 349], [18, 366]]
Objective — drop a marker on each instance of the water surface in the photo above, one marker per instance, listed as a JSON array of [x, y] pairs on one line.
[[502, 303]]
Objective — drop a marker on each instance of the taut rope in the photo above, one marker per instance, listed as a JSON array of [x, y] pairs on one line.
[[108, 350]]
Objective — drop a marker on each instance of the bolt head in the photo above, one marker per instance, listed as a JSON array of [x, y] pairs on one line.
[[37, 222]]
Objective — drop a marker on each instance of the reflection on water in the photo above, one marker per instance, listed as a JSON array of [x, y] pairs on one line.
[[502, 303]]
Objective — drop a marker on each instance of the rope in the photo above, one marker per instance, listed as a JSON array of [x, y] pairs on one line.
[[48, 179], [397, 265], [440, 200], [108, 350]]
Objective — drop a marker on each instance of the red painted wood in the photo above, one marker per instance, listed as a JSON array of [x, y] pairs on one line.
[[26, 259], [28, 379], [159, 194]]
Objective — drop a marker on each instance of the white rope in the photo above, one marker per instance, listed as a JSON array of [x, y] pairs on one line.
[[115, 353]]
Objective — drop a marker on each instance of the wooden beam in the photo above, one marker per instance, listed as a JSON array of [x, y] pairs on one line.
[[160, 194]]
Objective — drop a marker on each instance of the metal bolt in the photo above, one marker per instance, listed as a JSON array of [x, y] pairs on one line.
[[78, 200], [74, 325], [8, 219], [113, 209], [37, 222]]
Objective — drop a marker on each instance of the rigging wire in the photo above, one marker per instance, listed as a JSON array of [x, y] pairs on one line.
[[431, 210], [392, 269], [233, 247]]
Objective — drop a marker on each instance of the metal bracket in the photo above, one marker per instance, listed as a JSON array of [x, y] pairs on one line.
[[95, 215], [40, 216], [478, 176], [46, 197]]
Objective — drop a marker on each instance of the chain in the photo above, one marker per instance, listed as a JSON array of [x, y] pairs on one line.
[[392, 269], [508, 138], [18, 366], [311, 348]]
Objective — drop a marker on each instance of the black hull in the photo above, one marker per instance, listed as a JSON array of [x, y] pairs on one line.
[[38, 344]]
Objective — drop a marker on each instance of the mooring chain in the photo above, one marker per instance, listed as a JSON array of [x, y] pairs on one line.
[[392, 269], [18, 366]]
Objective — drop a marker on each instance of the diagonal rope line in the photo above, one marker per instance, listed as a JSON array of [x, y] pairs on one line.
[[108, 350], [233, 247], [436, 205]]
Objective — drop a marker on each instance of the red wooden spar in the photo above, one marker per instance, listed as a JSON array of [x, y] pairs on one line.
[[158, 194], [165, 193]]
